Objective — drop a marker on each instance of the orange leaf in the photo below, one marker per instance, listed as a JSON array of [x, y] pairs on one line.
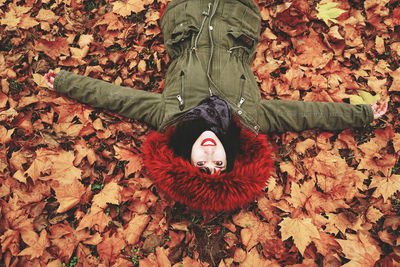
[[37, 244], [135, 161], [162, 257], [385, 186], [53, 48], [96, 217], [396, 79], [82, 151], [126, 8], [110, 248], [68, 195], [27, 22], [300, 194], [254, 230], [56, 165], [360, 249], [47, 15], [302, 230], [109, 194], [301, 147], [135, 228]]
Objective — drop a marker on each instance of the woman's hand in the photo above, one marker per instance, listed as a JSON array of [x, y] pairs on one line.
[[49, 78], [379, 109]]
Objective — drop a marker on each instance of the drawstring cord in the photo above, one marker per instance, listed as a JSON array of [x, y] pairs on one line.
[[206, 14]]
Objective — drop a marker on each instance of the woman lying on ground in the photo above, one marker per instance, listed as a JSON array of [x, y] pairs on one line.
[[208, 153]]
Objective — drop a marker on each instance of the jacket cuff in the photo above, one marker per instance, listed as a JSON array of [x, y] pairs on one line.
[[59, 81], [370, 113]]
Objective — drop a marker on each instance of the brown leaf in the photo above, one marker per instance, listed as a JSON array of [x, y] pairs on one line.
[[54, 48]]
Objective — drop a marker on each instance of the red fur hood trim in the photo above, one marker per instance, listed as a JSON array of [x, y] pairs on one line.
[[185, 183]]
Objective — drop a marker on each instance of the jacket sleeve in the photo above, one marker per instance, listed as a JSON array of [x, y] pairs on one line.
[[282, 115], [131, 103]]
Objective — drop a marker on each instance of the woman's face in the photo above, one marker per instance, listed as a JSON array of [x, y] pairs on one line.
[[208, 153]]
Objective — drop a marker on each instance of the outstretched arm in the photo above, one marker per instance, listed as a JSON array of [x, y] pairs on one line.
[[131, 103], [282, 115]]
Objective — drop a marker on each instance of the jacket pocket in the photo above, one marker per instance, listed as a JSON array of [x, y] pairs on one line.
[[180, 38], [242, 39], [242, 86], [180, 95]]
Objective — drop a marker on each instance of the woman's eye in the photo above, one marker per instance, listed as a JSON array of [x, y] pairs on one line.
[[200, 163], [219, 163]]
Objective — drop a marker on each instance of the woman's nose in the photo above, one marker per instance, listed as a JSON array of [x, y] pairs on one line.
[[209, 149]]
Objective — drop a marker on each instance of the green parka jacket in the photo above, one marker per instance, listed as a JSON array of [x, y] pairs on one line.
[[211, 44]]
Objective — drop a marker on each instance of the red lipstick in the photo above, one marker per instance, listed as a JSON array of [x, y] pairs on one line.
[[208, 142]]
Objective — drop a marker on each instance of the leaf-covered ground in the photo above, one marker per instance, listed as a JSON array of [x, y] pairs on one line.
[[73, 192]]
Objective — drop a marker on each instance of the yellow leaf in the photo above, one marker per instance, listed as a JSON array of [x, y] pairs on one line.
[[302, 230], [39, 80], [329, 11], [363, 97]]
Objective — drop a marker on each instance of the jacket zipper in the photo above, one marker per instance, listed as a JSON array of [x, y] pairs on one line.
[[180, 96], [241, 100]]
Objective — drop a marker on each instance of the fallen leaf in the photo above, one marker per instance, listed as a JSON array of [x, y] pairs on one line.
[[329, 11], [385, 186], [126, 8], [361, 249], [37, 244], [135, 228], [109, 194], [302, 230]]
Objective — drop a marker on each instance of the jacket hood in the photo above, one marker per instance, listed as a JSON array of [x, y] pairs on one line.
[[184, 183]]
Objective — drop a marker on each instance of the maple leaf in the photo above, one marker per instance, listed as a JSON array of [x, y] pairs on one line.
[[328, 11], [10, 19], [110, 247], [56, 165], [125, 8], [396, 79], [47, 15], [386, 186], [68, 195], [162, 257], [363, 98], [96, 217], [27, 22], [361, 249], [135, 162], [302, 230], [254, 231], [37, 244], [82, 151], [109, 194], [300, 194], [135, 228], [39, 80], [53, 48]]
